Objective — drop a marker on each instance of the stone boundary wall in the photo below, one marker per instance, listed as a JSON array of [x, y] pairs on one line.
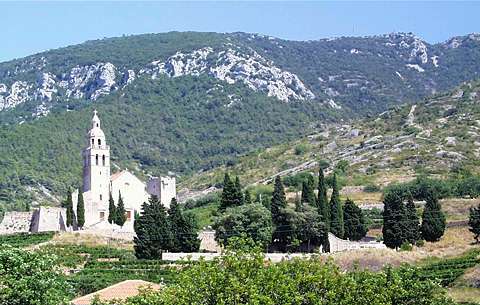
[[16, 222]]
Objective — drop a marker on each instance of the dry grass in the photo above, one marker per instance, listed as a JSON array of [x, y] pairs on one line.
[[455, 242], [465, 294], [90, 240], [458, 208]]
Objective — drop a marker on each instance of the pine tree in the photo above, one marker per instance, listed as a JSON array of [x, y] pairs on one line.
[[281, 234], [308, 195], [474, 222], [69, 212], [80, 210], [412, 223], [112, 211], [237, 193], [355, 227], [433, 219], [394, 219], [336, 212], [247, 197], [322, 200], [184, 233], [228, 193], [153, 231], [120, 212]]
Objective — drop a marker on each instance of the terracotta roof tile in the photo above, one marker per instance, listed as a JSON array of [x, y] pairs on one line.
[[120, 290]]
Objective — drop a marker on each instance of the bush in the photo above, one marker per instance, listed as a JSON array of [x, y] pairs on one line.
[[301, 149], [241, 276], [371, 188], [406, 246]]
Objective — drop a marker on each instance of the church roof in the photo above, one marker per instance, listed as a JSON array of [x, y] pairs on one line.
[[117, 175]]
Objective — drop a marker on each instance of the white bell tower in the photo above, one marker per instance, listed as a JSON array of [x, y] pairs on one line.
[[96, 169]]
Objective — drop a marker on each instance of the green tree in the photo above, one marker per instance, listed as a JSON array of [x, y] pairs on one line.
[[252, 220], [279, 201], [323, 207], [184, 232], [394, 218], [355, 226], [308, 195], [31, 278], [433, 219], [238, 194], [112, 210], [153, 231], [69, 207], [241, 276], [474, 222], [120, 212], [336, 212], [80, 210], [248, 197], [412, 222], [228, 193]]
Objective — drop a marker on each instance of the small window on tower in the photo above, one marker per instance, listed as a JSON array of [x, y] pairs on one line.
[[97, 124], [96, 159], [100, 197], [103, 160], [93, 141], [102, 215], [99, 142]]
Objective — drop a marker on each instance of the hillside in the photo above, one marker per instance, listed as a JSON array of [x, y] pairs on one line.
[[190, 102], [438, 136]]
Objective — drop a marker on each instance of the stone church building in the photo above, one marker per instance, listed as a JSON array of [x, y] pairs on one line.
[[98, 184]]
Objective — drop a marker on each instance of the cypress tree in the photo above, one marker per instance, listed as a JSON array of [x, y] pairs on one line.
[[80, 210], [247, 197], [153, 231], [308, 195], [120, 212], [69, 212], [184, 233], [322, 200], [394, 219], [237, 193], [412, 223], [433, 219], [474, 222], [336, 213], [228, 193], [112, 211], [279, 201], [355, 227]]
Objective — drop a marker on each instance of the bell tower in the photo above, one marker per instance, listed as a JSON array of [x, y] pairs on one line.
[[96, 166]]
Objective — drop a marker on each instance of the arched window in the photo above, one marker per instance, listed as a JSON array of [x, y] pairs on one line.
[[99, 142], [96, 159], [103, 160], [93, 141]]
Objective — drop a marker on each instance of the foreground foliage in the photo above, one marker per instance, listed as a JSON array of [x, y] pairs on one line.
[[25, 239], [30, 278], [242, 277]]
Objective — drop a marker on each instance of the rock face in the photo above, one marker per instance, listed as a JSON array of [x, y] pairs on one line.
[[234, 66]]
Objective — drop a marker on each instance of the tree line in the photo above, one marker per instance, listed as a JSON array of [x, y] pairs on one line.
[[159, 230], [278, 226]]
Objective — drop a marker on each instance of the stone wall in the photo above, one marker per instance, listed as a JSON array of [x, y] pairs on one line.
[[47, 219], [16, 222]]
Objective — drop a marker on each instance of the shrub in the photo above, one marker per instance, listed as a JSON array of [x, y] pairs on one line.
[[371, 188]]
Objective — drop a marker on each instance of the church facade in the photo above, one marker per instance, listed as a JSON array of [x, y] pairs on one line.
[[99, 183]]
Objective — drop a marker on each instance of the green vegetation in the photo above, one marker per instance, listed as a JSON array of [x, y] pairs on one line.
[[242, 277], [30, 278], [102, 266], [183, 226], [433, 219], [474, 222], [336, 211], [354, 221], [80, 210], [25, 239]]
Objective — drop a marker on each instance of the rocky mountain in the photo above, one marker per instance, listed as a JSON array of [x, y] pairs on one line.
[[190, 102], [363, 74]]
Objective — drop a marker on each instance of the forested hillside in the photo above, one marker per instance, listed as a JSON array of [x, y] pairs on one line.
[[189, 102]]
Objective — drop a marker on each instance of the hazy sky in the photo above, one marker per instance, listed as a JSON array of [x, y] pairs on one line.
[[31, 27]]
